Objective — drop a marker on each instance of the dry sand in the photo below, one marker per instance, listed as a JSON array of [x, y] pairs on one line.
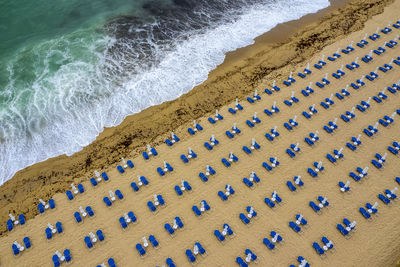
[[236, 77], [374, 244]]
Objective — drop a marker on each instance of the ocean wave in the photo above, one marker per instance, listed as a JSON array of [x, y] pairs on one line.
[[80, 83]]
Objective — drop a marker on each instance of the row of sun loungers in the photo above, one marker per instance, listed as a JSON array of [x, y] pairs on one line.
[[247, 217]]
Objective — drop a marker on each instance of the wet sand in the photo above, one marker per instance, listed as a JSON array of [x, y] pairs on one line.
[[381, 236]]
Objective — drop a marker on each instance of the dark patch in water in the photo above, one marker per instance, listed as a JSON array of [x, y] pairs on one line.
[[142, 41]]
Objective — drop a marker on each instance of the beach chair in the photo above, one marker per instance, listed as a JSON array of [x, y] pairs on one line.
[[254, 97], [244, 218], [342, 230], [318, 249], [56, 261], [196, 128], [269, 202], [291, 186], [384, 199], [213, 142], [15, 249], [320, 64], [305, 72], [49, 234], [149, 152], [151, 206], [219, 235], [216, 118], [196, 211], [237, 107], [328, 243], [390, 194], [100, 235], [67, 255], [235, 131], [276, 238], [315, 207], [88, 242], [174, 139], [365, 213], [312, 172], [241, 262], [78, 217], [170, 262], [190, 256], [27, 242], [140, 250], [294, 227], [69, 194], [268, 244], [154, 242], [344, 187], [123, 222], [59, 227], [110, 262], [372, 208]]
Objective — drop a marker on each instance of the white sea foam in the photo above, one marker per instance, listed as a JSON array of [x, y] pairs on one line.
[[69, 109]]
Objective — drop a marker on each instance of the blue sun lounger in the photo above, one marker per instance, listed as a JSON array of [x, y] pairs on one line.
[[15, 249], [219, 236], [291, 186], [371, 208], [327, 242], [111, 263], [390, 195], [170, 262], [153, 241], [241, 262], [342, 230], [27, 242], [244, 218], [196, 211], [268, 244], [270, 203], [59, 227], [67, 255], [146, 155], [318, 249], [312, 172], [290, 153], [56, 261], [195, 129], [365, 213], [384, 199], [88, 242], [123, 223], [140, 249], [69, 194], [294, 227], [323, 201], [49, 234], [190, 255], [315, 207], [78, 217], [174, 139], [276, 236], [343, 187]]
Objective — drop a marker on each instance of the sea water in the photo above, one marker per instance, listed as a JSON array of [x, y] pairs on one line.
[[69, 68]]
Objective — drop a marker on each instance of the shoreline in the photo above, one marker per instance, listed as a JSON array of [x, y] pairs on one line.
[[239, 74]]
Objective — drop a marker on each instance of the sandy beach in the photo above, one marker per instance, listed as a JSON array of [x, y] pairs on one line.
[[374, 244]]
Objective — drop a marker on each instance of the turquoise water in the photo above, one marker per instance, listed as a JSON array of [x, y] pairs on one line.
[[69, 68], [24, 23]]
